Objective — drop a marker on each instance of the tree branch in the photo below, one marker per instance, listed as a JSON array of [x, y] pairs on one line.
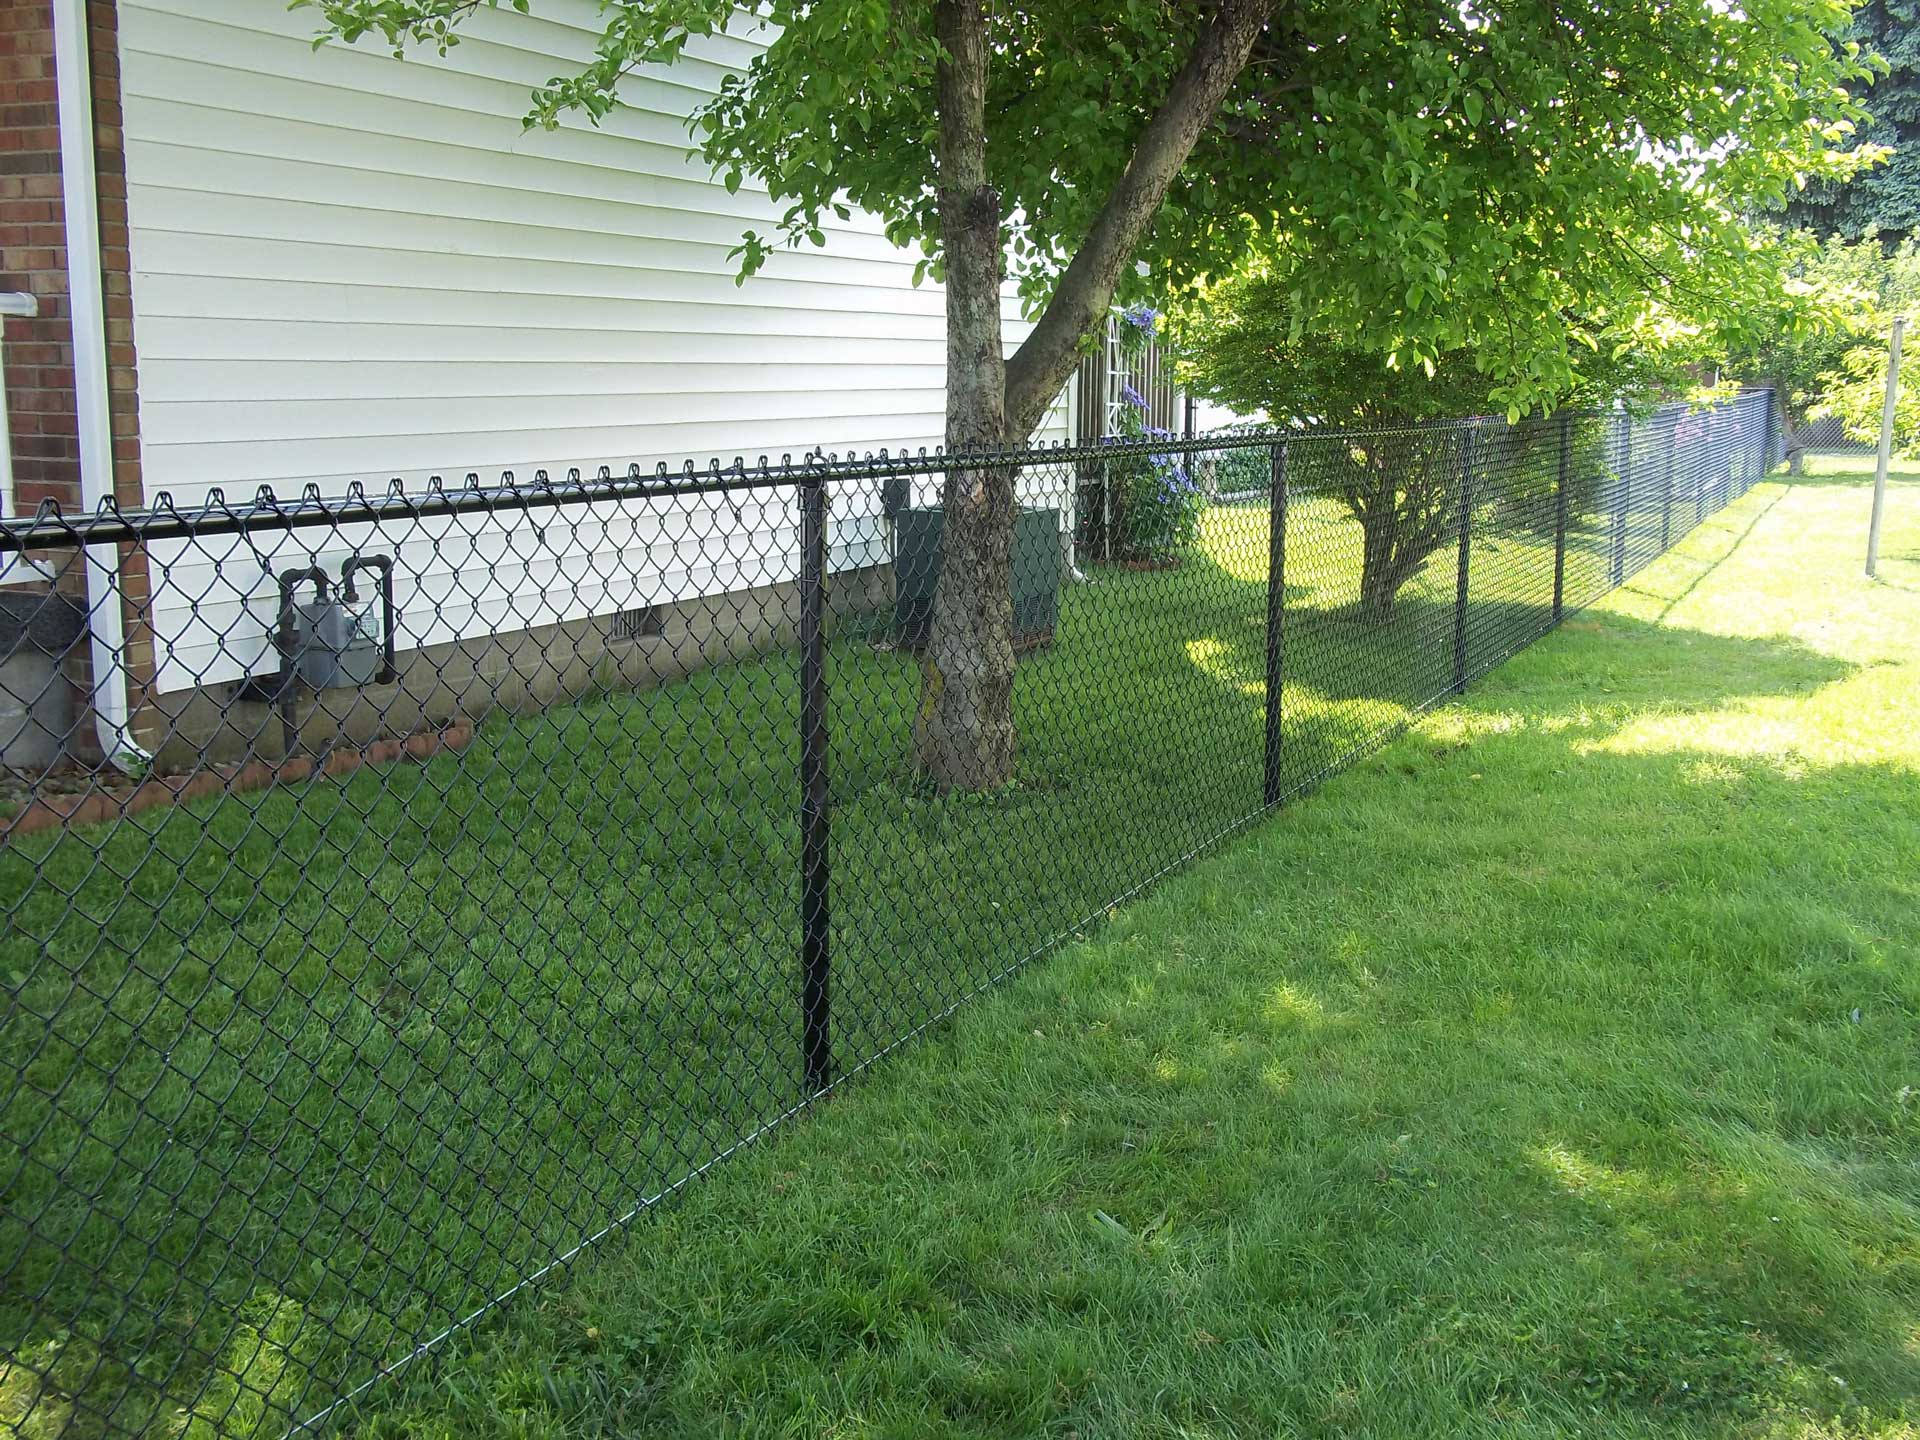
[[1041, 366]]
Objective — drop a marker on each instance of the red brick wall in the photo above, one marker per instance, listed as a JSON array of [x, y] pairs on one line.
[[33, 256], [116, 262]]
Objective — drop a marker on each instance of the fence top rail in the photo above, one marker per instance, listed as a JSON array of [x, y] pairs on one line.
[[51, 527]]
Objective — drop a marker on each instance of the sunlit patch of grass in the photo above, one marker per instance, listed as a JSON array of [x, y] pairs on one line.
[[1290, 1005], [31, 1405], [263, 1377], [1212, 656]]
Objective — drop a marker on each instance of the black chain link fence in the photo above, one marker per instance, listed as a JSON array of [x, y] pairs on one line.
[[1828, 435], [485, 863]]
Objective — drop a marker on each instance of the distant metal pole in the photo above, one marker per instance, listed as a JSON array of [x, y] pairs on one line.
[[1276, 620], [816, 1040], [1885, 457]]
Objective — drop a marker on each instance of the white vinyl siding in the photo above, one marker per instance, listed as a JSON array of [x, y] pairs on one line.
[[348, 267]]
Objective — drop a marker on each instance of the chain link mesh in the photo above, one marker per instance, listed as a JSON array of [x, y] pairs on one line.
[[502, 856]]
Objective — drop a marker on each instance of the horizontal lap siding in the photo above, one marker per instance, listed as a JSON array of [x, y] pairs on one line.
[[348, 267]]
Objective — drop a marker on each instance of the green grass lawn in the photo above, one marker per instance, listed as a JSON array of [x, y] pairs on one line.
[[311, 1073], [1554, 1072]]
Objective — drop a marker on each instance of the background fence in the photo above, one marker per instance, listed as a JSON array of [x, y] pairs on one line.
[[418, 964], [1828, 436]]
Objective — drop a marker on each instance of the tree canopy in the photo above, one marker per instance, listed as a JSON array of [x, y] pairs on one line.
[[1819, 339], [1827, 302], [1444, 176], [1398, 473], [1440, 176], [1243, 342], [1841, 366]]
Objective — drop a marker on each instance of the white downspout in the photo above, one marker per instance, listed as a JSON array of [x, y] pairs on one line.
[[105, 618]]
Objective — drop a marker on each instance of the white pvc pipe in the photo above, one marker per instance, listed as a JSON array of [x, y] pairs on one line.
[[106, 621]]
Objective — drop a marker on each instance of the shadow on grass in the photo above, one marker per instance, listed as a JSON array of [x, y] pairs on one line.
[[1903, 475], [1678, 1123], [1521, 1085]]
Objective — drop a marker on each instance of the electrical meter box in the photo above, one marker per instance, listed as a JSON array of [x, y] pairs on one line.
[[338, 643]]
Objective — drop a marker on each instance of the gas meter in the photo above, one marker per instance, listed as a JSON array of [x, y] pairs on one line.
[[339, 637]]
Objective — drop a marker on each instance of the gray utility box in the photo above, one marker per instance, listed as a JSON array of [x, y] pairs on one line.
[[1036, 575], [337, 643], [37, 631]]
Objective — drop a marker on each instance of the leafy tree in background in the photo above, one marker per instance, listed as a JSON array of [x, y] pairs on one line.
[[1819, 338], [1796, 338], [1241, 342], [1886, 198], [1857, 393], [1444, 176], [1854, 385]]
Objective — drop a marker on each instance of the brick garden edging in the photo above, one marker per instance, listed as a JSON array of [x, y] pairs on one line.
[[96, 806]]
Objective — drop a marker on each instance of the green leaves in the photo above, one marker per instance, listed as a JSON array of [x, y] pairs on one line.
[[1826, 304], [1246, 342], [1420, 178]]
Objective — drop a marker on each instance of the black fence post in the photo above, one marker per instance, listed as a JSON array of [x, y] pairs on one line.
[[815, 1003], [1276, 619], [1776, 433], [1736, 453], [1560, 518], [1623, 497], [1699, 475], [1106, 511], [1466, 547], [1666, 489]]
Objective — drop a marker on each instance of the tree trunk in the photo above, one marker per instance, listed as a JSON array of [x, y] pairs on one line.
[[964, 730], [1052, 349], [1394, 548], [1380, 580], [1790, 429]]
